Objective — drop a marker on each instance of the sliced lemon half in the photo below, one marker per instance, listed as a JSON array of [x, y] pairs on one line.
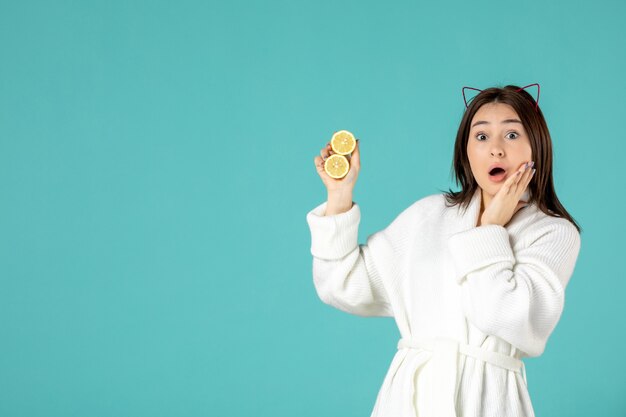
[[337, 166], [343, 142]]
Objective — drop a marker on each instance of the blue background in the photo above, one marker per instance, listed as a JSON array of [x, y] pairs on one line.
[[156, 168]]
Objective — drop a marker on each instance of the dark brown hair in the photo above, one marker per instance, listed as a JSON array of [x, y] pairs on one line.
[[541, 187]]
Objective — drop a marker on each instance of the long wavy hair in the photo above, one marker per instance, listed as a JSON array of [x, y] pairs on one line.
[[541, 188]]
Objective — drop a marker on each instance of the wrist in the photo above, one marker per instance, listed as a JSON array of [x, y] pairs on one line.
[[489, 223], [338, 203], [485, 222], [340, 195]]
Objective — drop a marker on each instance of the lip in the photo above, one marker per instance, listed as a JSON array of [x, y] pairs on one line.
[[497, 178], [496, 166]]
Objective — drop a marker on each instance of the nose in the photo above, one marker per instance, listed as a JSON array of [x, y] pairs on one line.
[[497, 152]]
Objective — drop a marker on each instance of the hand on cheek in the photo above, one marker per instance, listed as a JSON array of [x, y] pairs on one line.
[[507, 202]]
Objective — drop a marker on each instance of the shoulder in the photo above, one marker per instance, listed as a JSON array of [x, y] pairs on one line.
[[540, 226], [436, 204], [427, 203], [422, 209], [540, 220], [431, 202], [548, 240]]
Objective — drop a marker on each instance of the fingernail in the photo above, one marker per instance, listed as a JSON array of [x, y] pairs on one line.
[[534, 170]]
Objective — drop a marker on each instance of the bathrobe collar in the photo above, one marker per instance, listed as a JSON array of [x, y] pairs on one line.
[[469, 217]]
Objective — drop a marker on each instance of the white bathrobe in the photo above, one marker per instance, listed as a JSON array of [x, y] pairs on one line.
[[469, 301]]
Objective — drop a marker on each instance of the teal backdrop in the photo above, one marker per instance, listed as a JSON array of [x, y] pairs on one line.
[[156, 168]]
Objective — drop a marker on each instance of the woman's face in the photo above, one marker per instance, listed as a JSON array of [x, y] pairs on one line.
[[496, 137]]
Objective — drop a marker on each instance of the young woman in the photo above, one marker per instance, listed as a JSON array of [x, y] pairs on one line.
[[474, 279]]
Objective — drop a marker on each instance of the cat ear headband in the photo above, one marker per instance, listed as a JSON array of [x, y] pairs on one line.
[[519, 89]]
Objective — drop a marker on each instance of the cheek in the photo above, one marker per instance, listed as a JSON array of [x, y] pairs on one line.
[[474, 156], [525, 148]]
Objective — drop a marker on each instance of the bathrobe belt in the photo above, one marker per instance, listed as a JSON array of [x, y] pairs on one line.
[[445, 353]]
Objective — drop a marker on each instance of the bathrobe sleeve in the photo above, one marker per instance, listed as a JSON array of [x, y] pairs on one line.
[[516, 295], [347, 275]]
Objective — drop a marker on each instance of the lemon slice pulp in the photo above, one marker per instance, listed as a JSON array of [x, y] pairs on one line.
[[343, 142], [337, 166]]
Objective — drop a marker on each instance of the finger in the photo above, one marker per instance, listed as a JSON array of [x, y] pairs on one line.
[[531, 174], [511, 182], [319, 163], [523, 171], [528, 173], [520, 175], [515, 177], [522, 185], [326, 152]]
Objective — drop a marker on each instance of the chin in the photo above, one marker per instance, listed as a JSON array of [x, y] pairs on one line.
[[491, 189]]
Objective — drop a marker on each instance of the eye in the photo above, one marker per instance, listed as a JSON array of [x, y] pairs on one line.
[[482, 134]]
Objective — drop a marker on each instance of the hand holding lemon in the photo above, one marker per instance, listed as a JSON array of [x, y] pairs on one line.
[[338, 171]]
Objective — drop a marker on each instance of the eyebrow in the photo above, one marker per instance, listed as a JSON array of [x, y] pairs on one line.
[[484, 122]]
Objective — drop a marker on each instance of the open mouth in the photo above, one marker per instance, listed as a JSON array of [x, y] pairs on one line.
[[496, 171]]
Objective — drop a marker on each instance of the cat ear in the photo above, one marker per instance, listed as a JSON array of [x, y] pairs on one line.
[[529, 85], [537, 99], [471, 88]]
